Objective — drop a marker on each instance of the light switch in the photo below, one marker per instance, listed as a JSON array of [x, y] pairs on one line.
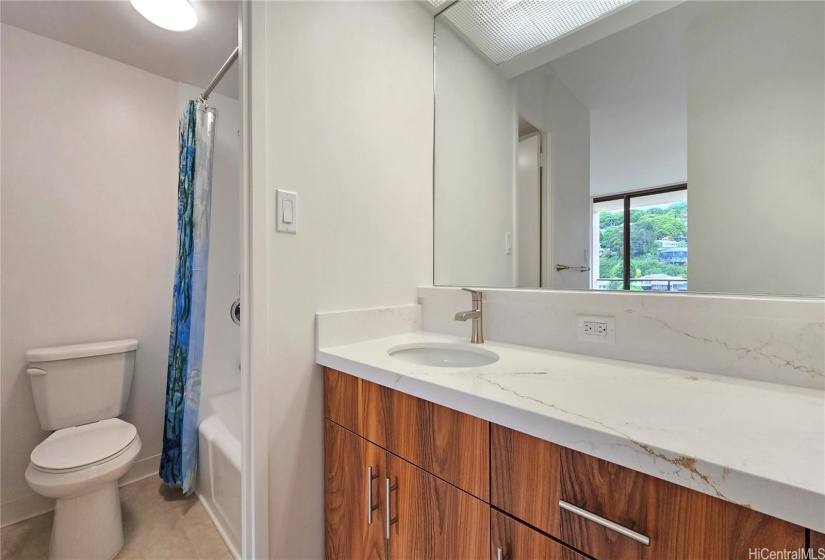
[[287, 210], [508, 243]]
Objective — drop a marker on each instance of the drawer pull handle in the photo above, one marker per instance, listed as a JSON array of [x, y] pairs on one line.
[[499, 554], [605, 523], [370, 508], [390, 519]]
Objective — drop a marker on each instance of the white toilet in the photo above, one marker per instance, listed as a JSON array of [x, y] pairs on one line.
[[79, 391]]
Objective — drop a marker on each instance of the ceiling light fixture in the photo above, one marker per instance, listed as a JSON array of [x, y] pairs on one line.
[[174, 15]]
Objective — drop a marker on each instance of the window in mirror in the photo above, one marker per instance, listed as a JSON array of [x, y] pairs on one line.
[[608, 251], [652, 227]]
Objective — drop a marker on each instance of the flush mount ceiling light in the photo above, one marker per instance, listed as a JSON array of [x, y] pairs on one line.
[[174, 15], [504, 29]]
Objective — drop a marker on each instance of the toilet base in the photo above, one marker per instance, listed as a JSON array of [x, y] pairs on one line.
[[88, 526]]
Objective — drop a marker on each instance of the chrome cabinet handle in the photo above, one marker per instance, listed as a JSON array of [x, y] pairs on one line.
[[606, 523], [370, 508], [390, 519], [499, 554]]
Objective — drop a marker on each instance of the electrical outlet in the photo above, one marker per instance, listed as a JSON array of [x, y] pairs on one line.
[[596, 329]]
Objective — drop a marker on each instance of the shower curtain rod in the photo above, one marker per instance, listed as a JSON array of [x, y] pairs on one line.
[[221, 73]]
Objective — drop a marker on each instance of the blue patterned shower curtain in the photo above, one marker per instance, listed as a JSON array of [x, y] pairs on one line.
[[179, 461]]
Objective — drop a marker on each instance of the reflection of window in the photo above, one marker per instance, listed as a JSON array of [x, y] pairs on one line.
[[650, 227]]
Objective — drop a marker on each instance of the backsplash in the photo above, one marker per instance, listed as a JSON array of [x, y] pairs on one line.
[[338, 328], [780, 340]]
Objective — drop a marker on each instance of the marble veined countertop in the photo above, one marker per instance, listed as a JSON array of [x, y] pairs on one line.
[[757, 444]]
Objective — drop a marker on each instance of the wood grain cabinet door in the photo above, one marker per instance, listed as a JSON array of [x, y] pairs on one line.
[[350, 498], [358, 405], [525, 477], [430, 519], [447, 443], [512, 540], [817, 543], [681, 524]]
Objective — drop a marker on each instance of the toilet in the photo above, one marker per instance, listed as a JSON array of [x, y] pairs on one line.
[[79, 392]]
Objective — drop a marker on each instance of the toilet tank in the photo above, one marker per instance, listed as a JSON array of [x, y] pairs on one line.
[[81, 383]]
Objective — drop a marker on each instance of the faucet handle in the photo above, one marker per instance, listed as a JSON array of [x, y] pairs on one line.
[[476, 293]]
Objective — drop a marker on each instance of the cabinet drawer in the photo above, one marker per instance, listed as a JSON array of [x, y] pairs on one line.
[[525, 475], [512, 540], [614, 508], [358, 405], [449, 444]]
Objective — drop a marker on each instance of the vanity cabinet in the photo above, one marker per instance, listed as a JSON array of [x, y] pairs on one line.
[[403, 476], [513, 540], [359, 406], [611, 510], [354, 470], [406, 478], [433, 519], [525, 479], [817, 541], [453, 446]]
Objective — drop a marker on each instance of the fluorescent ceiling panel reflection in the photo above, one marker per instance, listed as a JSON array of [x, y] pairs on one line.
[[504, 29]]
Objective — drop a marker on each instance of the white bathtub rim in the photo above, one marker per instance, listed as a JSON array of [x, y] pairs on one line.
[[215, 432]]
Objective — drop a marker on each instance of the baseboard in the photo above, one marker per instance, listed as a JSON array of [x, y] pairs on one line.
[[218, 527], [142, 469], [24, 508], [34, 505]]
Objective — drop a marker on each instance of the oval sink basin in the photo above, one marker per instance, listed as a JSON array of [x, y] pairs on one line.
[[443, 355]]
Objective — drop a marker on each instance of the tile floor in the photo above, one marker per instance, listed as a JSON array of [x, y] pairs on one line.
[[157, 523]]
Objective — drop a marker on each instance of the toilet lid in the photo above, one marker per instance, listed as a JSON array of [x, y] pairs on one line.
[[71, 448]]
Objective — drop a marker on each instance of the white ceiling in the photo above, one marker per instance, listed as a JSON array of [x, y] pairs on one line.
[[115, 30]]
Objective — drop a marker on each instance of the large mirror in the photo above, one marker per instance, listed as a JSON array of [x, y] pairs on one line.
[[620, 145]]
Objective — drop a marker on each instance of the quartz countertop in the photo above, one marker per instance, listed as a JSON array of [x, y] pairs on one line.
[[757, 444]]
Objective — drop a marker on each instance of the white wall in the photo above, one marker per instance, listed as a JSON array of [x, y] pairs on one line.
[[637, 97], [475, 168], [89, 209], [222, 339], [347, 106], [532, 96], [569, 203], [756, 148]]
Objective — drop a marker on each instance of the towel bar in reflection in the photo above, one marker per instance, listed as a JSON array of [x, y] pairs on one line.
[[560, 267]]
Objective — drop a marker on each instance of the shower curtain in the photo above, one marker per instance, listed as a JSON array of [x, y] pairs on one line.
[[179, 460]]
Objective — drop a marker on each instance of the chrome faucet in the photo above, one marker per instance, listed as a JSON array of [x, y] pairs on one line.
[[476, 315]]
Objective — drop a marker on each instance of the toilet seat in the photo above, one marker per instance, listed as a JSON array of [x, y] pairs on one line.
[[82, 447]]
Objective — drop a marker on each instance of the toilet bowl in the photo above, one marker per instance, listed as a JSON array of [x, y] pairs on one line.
[[79, 391], [80, 468]]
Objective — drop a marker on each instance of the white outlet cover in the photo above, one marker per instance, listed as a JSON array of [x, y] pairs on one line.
[[608, 338]]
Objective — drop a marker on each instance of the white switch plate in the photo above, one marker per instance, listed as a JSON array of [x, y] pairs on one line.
[[594, 328], [281, 198]]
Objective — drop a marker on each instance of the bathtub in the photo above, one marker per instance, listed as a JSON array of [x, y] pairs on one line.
[[219, 469]]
